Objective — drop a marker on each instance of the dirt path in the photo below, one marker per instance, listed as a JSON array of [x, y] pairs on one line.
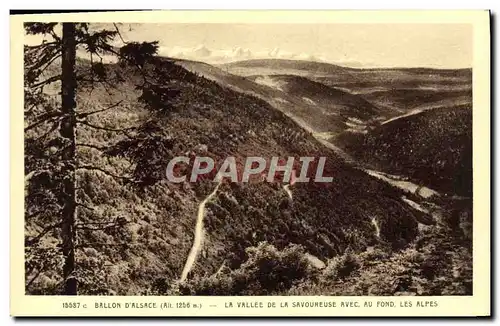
[[377, 228], [288, 191], [198, 235]]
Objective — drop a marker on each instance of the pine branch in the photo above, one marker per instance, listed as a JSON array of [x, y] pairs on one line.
[[119, 33], [85, 206], [94, 168], [133, 63], [39, 28], [84, 227], [44, 62], [123, 131], [96, 223], [57, 55], [47, 81], [45, 209], [86, 114], [55, 36], [46, 230], [92, 244], [44, 118], [38, 47]]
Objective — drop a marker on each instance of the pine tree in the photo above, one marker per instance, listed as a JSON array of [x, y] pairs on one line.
[[67, 130], [51, 179]]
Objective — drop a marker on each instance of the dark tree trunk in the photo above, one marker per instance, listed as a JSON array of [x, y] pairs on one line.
[[67, 131]]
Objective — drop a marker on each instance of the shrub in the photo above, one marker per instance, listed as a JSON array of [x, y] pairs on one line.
[[341, 266], [272, 270], [266, 271]]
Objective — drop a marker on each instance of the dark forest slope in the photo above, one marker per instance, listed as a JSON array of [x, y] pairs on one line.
[[146, 251], [433, 147], [318, 107]]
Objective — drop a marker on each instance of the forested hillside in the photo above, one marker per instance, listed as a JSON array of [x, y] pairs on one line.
[[433, 147], [133, 229]]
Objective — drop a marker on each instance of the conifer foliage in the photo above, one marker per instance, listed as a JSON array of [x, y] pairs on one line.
[[53, 119]]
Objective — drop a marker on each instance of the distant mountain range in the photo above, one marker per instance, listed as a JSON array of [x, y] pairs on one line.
[[221, 56], [373, 114]]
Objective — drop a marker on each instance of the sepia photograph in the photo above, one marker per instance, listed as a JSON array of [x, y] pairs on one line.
[[248, 159]]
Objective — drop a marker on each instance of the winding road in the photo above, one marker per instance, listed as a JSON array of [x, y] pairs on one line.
[[198, 235], [395, 181], [288, 191], [377, 228]]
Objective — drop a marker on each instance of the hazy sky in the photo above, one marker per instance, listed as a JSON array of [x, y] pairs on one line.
[[365, 45], [408, 45]]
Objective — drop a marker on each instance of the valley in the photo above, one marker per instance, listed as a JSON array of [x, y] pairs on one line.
[[404, 104], [265, 238]]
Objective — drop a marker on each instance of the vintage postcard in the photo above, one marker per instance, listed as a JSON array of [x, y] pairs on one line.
[[250, 163]]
